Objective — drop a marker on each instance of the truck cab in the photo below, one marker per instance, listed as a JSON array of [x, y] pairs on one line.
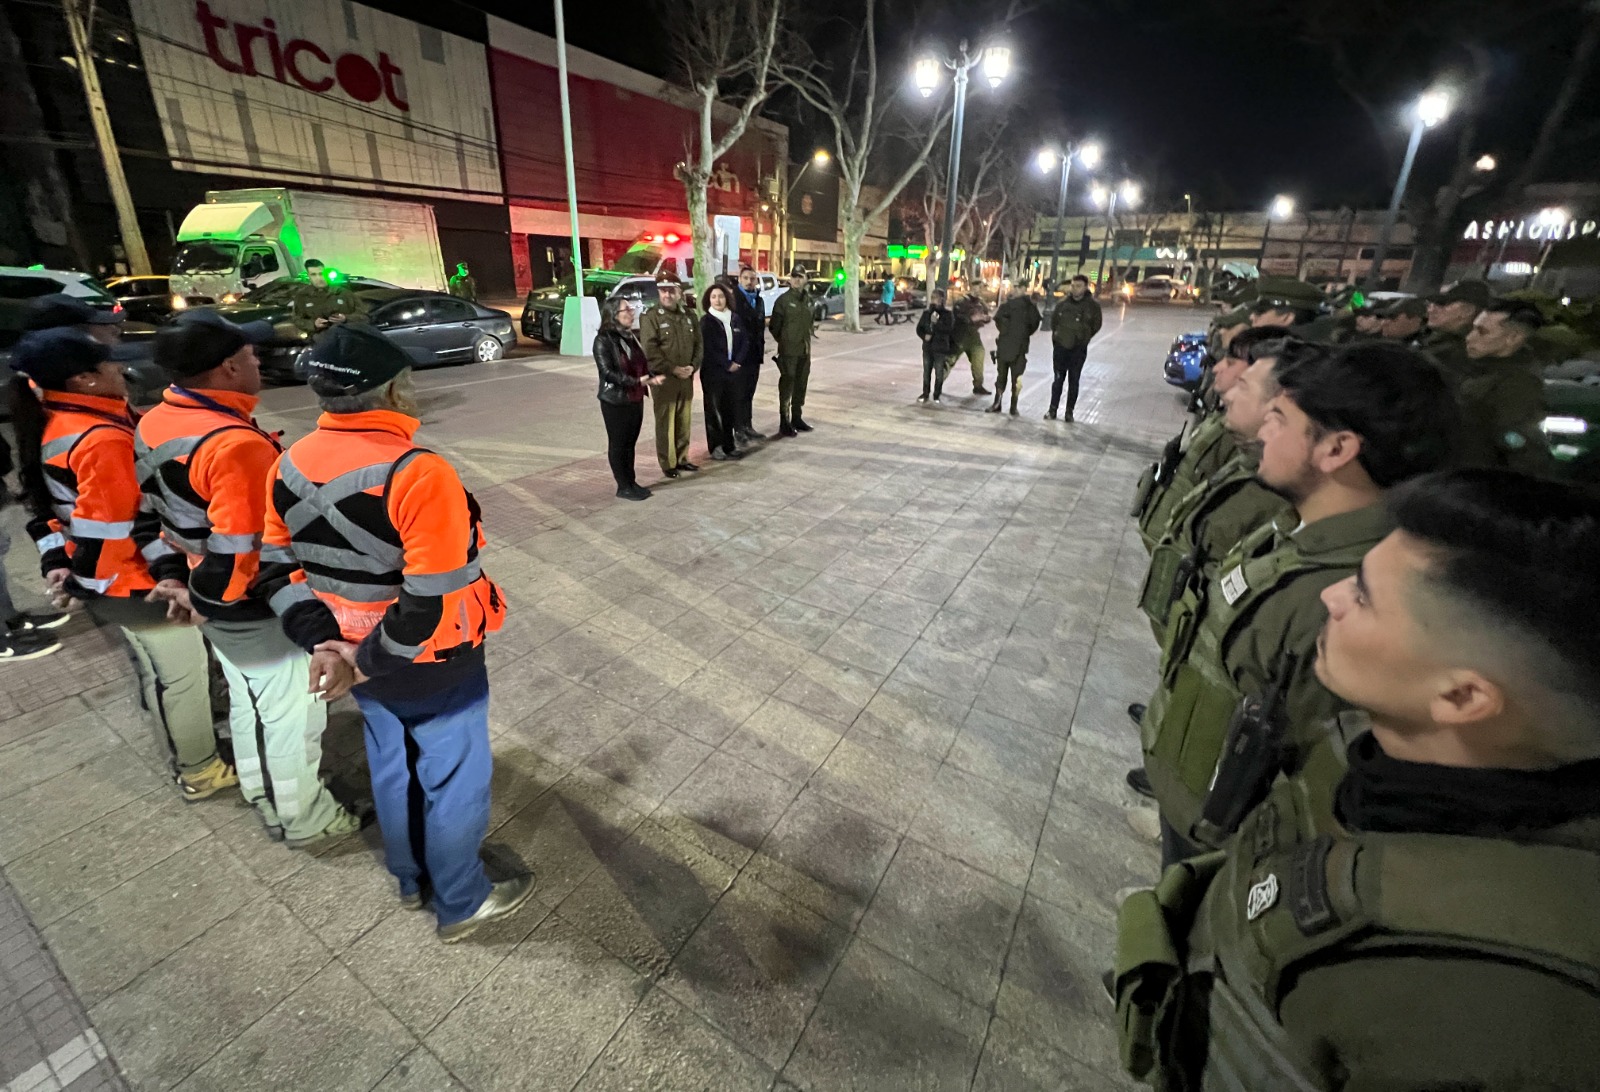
[[225, 249]]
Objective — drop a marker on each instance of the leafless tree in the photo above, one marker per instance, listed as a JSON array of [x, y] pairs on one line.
[[728, 52]]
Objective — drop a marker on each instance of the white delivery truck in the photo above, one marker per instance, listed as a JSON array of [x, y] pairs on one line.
[[242, 239]]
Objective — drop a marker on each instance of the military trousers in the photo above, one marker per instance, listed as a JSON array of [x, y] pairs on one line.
[[793, 373], [972, 349], [174, 676], [1009, 372], [674, 417], [277, 725], [431, 765]]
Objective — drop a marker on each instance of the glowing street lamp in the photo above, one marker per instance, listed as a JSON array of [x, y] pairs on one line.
[[996, 63], [1428, 111], [1086, 153], [821, 157], [1485, 163], [1282, 208]]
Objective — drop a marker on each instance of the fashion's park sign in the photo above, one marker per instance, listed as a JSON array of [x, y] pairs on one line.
[[246, 49], [1546, 229]]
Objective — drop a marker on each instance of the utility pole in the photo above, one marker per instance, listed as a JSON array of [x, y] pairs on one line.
[[80, 19]]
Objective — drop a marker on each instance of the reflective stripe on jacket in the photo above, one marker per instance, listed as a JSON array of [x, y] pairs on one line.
[[204, 469], [102, 529], [369, 538]]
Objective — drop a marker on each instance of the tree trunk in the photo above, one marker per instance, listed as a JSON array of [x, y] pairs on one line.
[[694, 188], [855, 229]]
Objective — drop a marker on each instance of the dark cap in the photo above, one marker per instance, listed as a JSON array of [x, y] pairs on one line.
[[353, 357], [667, 276], [200, 340], [1473, 292], [1410, 307], [60, 309], [51, 357], [798, 271], [1274, 293]]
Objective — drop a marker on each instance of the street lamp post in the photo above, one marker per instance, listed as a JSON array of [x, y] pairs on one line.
[[1088, 154], [996, 62], [1130, 195], [819, 158], [1282, 208], [1430, 110]]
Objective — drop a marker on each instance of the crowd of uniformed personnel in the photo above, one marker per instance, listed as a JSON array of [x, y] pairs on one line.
[[1373, 739]]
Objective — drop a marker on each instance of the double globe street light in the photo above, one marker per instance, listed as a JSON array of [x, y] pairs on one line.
[[1128, 192], [1087, 153], [996, 63]]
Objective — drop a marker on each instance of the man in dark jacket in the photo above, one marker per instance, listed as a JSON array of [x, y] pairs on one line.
[[937, 329], [792, 323], [1073, 323], [1014, 323], [752, 311]]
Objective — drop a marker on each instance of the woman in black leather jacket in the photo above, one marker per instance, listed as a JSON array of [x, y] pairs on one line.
[[624, 378]]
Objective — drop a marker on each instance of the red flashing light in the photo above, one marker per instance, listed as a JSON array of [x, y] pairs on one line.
[[670, 238]]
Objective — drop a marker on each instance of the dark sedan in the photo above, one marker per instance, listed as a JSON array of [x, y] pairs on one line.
[[146, 298]]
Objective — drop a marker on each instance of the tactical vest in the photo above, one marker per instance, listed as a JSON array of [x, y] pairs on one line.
[[357, 569], [1294, 891], [1186, 724], [1166, 489], [1176, 560]]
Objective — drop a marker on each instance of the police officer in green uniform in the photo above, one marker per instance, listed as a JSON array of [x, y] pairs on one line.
[[1502, 392], [791, 324], [1429, 923], [670, 335], [318, 303], [1403, 322], [462, 284], [1015, 321], [1345, 426], [1451, 314], [971, 313]]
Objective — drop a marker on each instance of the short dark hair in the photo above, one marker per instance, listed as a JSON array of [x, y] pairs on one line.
[[1394, 398], [1517, 554], [1080, 277], [743, 269], [313, 263], [1517, 313], [1245, 344]]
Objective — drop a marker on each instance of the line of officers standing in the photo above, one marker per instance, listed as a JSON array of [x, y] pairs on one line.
[[1374, 738], [346, 563]]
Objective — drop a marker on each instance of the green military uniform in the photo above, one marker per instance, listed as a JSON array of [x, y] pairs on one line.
[[1204, 527], [1448, 350], [463, 286], [1187, 462], [1252, 629], [969, 342], [671, 339], [1317, 955], [1502, 406], [1016, 321], [791, 325], [308, 303]]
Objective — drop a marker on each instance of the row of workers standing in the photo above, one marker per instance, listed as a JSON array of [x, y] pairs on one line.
[[660, 352], [950, 332], [348, 563], [1374, 737]]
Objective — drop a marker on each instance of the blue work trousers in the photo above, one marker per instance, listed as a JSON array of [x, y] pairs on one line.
[[430, 783]]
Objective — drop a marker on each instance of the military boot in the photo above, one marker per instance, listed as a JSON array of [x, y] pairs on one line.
[[1014, 394], [784, 428]]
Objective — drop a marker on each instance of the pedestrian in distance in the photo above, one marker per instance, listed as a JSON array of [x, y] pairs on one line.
[[885, 314], [101, 544], [1074, 322], [673, 346], [462, 285], [749, 305], [624, 379], [936, 328], [371, 551], [793, 326], [1015, 322], [1422, 919], [203, 465], [723, 334]]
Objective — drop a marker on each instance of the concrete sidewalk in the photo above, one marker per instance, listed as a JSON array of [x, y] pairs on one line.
[[818, 759]]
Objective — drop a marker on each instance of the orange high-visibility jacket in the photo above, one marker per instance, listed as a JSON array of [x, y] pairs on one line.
[[204, 465], [370, 538], [102, 529]]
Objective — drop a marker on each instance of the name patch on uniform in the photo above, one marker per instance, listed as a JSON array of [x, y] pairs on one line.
[[1263, 896], [1234, 585]]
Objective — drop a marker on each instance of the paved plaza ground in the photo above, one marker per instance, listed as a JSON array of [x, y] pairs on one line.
[[817, 757]]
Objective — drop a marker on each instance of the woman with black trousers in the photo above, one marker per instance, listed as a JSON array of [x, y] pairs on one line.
[[723, 333], [624, 377]]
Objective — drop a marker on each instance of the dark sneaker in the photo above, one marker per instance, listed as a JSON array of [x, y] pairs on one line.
[[27, 646], [993, 409], [787, 432], [1050, 415], [687, 465], [1136, 712], [670, 473], [1068, 418], [634, 493], [505, 898], [752, 434], [1139, 782], [923, 397], [1014, 411], [981, 390], [33, 623], [938, 399], [719, 455]]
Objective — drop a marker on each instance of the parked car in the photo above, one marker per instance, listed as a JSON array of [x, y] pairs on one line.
[[543, 310], [1572, 421], [1157, 288], [147, 298], [273, 303], [455, 331], [827, 300], [1186, 359]]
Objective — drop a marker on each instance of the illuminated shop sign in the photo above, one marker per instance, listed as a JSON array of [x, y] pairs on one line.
[[1542, 227]]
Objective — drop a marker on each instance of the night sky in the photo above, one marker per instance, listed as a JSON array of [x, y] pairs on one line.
[[1199, 96]]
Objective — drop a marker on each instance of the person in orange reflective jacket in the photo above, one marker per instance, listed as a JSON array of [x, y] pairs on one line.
[[204, 464], [371, 548], [100, 543]]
